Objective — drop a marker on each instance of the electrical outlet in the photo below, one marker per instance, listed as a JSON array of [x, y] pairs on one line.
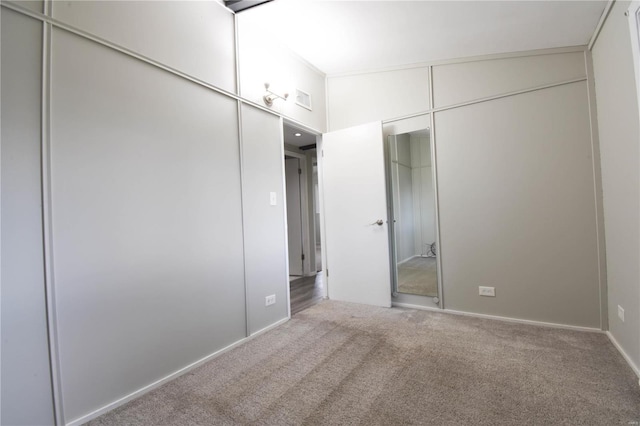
[[487, 291], [270, 300], [620, 313], [273, 200]]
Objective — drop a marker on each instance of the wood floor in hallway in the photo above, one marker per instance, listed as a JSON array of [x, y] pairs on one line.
[[306, 292]]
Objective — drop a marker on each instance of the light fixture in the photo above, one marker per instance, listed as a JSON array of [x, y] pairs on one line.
[[270, 96], [298, 134]]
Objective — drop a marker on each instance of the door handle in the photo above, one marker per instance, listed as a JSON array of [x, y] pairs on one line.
[[378, 222]]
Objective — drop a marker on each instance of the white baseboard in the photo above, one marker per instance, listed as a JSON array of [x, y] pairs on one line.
[[626, 357], [417, 307], [174, 375], [498, 318], [408, 259], [525, 321]]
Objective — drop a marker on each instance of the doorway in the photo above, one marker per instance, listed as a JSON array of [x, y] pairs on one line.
[[303, 218], [293, 175]]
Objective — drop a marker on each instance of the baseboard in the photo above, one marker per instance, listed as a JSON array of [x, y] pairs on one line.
[[417, 307], [174, 375], [524, 321], [263, 330], [627, 358], [498, 318], [408, 259]]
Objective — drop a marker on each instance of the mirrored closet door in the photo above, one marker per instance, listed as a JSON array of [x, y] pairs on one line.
[[413, 211]]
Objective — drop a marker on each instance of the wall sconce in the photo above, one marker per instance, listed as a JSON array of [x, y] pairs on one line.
[[270, 96]]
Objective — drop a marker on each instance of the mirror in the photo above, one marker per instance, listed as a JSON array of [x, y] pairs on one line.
[[413, 214]]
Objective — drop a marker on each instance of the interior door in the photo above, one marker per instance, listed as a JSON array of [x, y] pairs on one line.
[[294, 215], [355, 214]]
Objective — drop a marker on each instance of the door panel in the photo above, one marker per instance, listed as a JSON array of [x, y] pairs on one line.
[[354, 199]]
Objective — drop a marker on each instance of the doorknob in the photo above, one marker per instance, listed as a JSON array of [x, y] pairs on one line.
[[378, 222]]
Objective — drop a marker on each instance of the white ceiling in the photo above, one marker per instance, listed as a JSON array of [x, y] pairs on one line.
[[304, 139], [346, 36]]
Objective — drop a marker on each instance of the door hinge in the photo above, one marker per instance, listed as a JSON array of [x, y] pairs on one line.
[[327, 272], [299, 171], [302, 256]]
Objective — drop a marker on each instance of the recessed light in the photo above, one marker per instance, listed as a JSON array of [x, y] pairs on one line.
[[298, 134]]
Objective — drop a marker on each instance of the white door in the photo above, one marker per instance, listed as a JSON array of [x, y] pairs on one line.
[[355, 209], [294, 215]]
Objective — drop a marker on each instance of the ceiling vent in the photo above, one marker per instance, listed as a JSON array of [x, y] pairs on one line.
[[303, 99]]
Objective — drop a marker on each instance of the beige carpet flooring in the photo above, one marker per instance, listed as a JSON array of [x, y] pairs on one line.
[[418, 276], [346, 364]]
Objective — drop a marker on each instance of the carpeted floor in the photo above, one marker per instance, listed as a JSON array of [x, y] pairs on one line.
[[347, 364], [418, 276]]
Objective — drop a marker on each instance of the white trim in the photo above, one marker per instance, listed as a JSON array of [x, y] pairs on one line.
[[172, 376], [47, 228], [499, 318], [436, 190], [603, 18], [634, 29], [523, 321], [633, 16], [408, 259], [326, 103], [626, 357], [236, 46], [477, 58], [416, 307], [323, 231], [486, 99], [247, 311], [597, 192], [286, 223]]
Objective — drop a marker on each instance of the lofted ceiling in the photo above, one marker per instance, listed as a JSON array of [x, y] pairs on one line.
[[349, 36]]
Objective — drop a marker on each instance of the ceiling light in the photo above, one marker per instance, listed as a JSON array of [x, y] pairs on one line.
[[298, 134]]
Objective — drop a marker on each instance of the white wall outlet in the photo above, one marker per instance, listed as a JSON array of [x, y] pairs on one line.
[[270, 300], [272, 199], [487, 291], [620, 313]]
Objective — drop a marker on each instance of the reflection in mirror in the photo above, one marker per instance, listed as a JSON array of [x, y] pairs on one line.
[[414, 231]]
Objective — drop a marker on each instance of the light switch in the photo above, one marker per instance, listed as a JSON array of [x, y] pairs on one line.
[[272, 198]]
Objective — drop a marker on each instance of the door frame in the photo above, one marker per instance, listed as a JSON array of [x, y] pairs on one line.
[[304, 205]]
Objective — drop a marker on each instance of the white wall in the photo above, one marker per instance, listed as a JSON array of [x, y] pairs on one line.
[[26, 377], [362, 98], [264, 225], [262, 59], [516, 179], [458, 82], [163, 242], [619, 130], [145, 259], [195, 37], [517, 207]]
